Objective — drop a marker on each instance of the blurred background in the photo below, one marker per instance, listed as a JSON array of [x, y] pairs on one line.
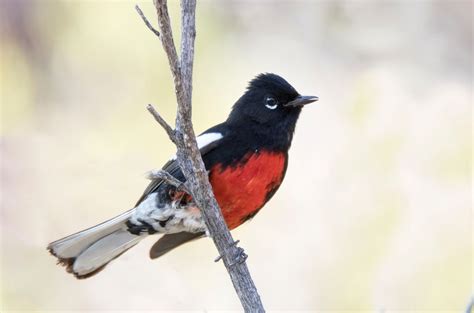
[[376, 209]]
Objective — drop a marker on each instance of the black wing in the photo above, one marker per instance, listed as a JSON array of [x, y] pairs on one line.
[[170, 241], [172, 166]]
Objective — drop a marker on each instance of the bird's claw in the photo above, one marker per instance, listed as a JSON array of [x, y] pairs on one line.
[[239, 257]]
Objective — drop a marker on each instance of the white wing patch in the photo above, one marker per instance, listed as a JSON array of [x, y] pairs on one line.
[[204, 139]]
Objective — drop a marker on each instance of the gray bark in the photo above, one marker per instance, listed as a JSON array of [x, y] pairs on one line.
[[188, 155]]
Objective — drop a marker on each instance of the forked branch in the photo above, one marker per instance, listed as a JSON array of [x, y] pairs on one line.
[[188, 154]]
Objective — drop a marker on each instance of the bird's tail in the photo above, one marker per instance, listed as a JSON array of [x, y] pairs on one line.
[[87, 252]]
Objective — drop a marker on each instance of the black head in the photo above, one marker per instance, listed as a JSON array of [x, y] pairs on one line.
[[269, 100]]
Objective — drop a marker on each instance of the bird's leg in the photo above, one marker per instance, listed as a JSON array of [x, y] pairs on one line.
[[239, 257]]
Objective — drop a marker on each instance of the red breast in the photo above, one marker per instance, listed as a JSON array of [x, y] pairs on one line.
[[241, 190]]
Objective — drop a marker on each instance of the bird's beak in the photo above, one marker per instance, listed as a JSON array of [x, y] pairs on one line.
[[301, 100]]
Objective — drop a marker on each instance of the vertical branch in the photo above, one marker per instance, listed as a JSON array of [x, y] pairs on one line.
[[189, 156], [188, 35], [167, 41]]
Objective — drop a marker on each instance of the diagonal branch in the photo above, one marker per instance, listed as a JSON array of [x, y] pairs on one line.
[[146, 21], [170, 131], [167, 40], [170, 179], [188, 35], [189, 157]]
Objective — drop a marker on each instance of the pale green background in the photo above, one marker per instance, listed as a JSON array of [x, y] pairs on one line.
[[375, 212]]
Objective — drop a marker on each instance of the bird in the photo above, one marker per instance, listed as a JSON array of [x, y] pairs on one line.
[[246, 158]]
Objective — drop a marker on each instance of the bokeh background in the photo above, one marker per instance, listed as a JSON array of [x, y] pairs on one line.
[[375, 212]]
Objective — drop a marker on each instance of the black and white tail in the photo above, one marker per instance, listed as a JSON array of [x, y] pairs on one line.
[[87, 252]]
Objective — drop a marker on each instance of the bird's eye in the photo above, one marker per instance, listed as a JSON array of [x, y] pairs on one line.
[[271, 103]]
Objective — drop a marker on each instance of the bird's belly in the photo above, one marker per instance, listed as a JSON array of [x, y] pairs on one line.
[[241, 190]]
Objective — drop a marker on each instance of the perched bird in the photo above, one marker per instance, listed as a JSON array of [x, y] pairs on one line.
[[246, 158]]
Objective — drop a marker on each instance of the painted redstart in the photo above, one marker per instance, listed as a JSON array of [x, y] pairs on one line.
[[246, 158]]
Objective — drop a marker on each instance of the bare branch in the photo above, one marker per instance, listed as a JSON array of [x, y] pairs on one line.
[[189, 157], [188, 35], [170, 131], [167, 39], [145, 20], [170, 179]]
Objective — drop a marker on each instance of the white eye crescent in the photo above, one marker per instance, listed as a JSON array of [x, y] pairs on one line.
[[271, 103]]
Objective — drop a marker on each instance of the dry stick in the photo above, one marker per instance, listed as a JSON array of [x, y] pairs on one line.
[[170, 179], [171, 133], [168, 43], [189, 157], [145, 20], [233, 256]]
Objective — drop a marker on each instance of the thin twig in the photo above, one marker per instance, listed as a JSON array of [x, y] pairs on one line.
[[170, 179], [146, 21], [170, 131]]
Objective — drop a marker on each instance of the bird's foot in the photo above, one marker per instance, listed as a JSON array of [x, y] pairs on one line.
[[239, 257]]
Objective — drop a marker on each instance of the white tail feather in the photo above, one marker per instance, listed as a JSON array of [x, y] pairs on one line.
[[89, 250], [103, 251]]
